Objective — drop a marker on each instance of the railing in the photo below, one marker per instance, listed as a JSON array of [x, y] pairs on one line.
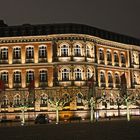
[[42, 60], [16, 61], [4, 61]]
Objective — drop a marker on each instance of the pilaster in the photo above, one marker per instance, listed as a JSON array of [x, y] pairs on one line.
[[36, 74], [23, 52], [49, 52], [36, 53], [10, 79], [50, 76], [23, 75], [10, 52]]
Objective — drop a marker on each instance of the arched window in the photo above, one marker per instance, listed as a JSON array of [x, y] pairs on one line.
[[102, 77], [66, 99], [4, 77], [4, 54], [89, 74], [88, 54], [79, 99], [78, 74], [30, 52], [110, 80], [101, 54], [17, 77], [109, 57], [64, 50], [116, 58], [44, 98], [17, 100], [17, 53], [29, 76], [42, 52], [5, 101], [117, 80], [122, 58], [43, 76], [77, 50], [135, 81], [65, 74]]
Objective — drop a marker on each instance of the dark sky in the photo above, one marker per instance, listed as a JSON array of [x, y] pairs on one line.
[[122, 16]]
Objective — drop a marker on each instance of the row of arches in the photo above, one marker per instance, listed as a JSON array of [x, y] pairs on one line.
[[18, 101], [17, 76], [110, 54], [77, 49], [17, 52]]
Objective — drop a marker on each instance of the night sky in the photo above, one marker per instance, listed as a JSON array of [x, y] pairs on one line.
[[121, 16]]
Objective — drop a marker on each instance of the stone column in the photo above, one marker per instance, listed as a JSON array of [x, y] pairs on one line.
[[98, 71], [23, 53], [36, 75], [49, 52], [23, 78], [50, 76], [105, 58], [113, 77], [106, 78], [97, 54], [128, 79], [119, 59], [112, 54], [10, 80], [36, 53], [127, 57], [10, 55]]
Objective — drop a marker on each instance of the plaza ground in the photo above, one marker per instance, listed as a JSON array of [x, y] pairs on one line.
[[102, 130]]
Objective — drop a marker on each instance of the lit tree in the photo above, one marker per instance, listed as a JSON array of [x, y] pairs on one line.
[[58, 102], [126, 96], [94, 99]]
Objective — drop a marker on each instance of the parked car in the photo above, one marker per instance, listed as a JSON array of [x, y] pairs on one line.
[[42, 119], [5, 120]]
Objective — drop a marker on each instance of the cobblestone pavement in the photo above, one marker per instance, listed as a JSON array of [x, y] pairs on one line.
[[102, 130]]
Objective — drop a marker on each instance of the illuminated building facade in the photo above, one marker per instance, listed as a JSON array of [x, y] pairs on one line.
[[60, 58]]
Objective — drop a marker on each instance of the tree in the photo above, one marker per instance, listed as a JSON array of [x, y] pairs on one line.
[[94, 99], [126, 96], [58, 102]]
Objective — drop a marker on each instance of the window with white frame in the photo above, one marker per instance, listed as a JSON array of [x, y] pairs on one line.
[[64, 50], [65, 74], [43, 76], [17, 53], [42, 52], [4, 53], [30, 76], [4, 77], [78, 74], [77, 50], [30, 52], [17, 77], [102, 77]]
